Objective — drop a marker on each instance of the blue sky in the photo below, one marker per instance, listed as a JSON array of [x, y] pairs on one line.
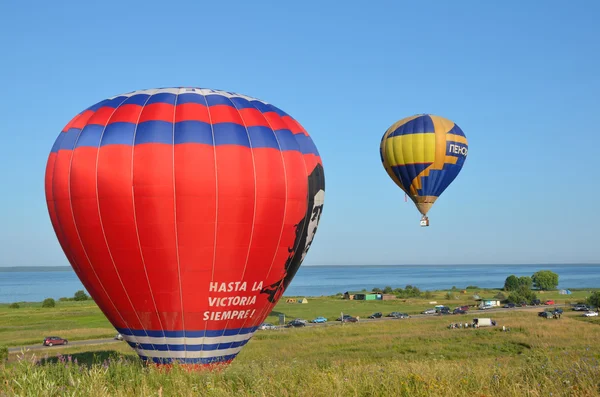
[[520, 78]]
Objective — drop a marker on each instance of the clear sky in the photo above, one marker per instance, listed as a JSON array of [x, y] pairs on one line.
[[522, 79]]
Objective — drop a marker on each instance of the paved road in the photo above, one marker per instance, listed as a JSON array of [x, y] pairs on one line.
[[71, 343], [471, 313]]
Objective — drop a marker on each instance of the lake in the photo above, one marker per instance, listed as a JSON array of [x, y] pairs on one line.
[[35, 286]]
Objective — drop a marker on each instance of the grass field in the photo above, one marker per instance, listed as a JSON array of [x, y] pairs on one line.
[[83, 320], [413, 357], [410, 357]]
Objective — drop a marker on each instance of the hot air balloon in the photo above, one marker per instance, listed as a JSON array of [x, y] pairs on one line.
[[185, 213], [423, 154]]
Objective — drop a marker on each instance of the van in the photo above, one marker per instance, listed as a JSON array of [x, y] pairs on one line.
[[484, 322]]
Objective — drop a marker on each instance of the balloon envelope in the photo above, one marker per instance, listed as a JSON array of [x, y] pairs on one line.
[[423, 154], [185, 212]]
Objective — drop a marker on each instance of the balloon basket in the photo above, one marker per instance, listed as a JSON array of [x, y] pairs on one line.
[[424, 221]]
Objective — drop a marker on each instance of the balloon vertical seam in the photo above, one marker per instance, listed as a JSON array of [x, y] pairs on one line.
[[176, 232], [214, 257]]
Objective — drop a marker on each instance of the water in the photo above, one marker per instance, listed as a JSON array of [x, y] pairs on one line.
[[35, 286]]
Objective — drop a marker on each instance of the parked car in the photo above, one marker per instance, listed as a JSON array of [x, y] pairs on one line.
[[54, 340], [429, 311], [458, 310], [557, 310], [590, 314], [485, 307], [509, 305], [350, 319], [549, 302], [535, 302], [401, 315], [581, 307], [345, 316], [296, 323], [376, 315], [319, 319], [393, 314], [267, 326]]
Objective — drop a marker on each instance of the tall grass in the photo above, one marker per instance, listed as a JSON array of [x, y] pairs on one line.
[[415, 357]]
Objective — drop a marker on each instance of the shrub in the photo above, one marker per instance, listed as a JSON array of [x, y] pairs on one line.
[[3, 354], [49, 302], [14, 305], [80, 296]]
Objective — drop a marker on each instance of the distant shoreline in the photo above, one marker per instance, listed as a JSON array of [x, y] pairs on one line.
[[549, 265]]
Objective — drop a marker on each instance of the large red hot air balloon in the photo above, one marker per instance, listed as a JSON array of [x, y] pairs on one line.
[[185, 212]]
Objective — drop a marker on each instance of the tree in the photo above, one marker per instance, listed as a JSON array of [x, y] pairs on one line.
[[526, 281], [80, 296], [594, 299], [377, 290], [49, 302], [511, 283], [545, 280], [387, 290]]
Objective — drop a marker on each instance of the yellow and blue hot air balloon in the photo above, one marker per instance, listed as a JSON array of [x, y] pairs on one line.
[[423, 154]]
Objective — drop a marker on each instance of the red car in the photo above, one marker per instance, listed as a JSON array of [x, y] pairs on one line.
[[54, 340]]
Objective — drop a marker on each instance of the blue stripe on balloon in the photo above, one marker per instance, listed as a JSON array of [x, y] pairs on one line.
[[189, 347], [193, 132], [68, 141], [188, 334], [419, 125], [155, 131], [118, 134], [90, 136], [207, 360], [58, 142]]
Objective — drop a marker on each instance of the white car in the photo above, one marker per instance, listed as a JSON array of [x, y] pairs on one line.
[[267, 326], [590, 314]]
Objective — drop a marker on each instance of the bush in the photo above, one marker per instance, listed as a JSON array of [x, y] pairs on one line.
[[3, 354], [80, 296], [49, 302], [523, 294], [472, 287], [14, 305]]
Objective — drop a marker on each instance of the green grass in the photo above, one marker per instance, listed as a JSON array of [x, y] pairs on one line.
[[83, 320], [411, 357]]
